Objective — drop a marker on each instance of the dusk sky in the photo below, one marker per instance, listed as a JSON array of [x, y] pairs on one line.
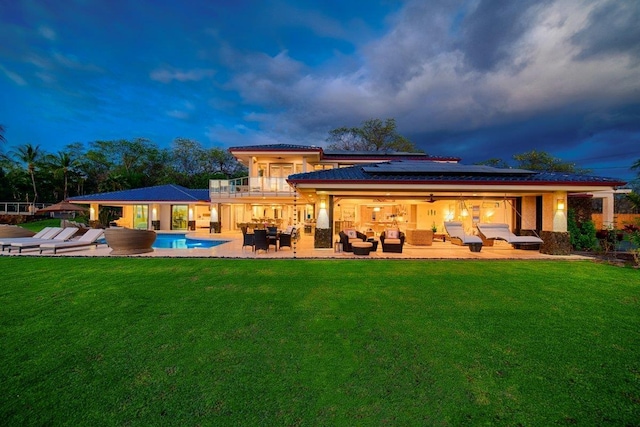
[[475, 79]]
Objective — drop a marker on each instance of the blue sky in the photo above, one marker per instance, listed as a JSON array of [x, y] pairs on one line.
[[476, 79]]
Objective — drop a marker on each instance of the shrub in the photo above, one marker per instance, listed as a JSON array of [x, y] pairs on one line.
[[583, 236]]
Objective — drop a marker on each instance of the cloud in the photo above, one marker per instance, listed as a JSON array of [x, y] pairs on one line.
[[612, 29], [168, 75], [47, 33], [14, 77]]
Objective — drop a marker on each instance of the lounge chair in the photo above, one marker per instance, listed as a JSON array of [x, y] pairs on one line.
[[87, 239], [502, 232], [64, 235], [46, 233], [456, 233]]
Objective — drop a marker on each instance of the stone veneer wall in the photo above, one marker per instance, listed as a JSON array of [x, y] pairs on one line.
[[555, 243], [322, 238]]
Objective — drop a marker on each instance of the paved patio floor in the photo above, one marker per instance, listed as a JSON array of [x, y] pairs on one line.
[[303, 248]]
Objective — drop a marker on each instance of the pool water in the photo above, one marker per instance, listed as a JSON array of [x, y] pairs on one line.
[[180, 241]]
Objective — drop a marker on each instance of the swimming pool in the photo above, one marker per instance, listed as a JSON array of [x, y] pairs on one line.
[[180, 241]]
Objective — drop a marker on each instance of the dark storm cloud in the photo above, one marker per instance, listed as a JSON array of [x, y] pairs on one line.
[[491, 31], [469, 78], [613, 28]]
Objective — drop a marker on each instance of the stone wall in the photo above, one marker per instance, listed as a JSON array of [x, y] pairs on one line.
[[322, 238], [555, 243]]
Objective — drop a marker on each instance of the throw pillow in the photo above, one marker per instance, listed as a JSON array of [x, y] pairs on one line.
[[392, 234], [351, 233]]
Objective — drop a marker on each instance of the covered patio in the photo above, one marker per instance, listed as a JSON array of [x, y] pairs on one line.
[[304, 249]]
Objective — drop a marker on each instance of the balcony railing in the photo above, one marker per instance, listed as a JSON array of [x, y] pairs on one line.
[[250, 187], [19, 208]]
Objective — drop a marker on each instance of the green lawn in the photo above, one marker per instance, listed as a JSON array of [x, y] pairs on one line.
[[180, 342]]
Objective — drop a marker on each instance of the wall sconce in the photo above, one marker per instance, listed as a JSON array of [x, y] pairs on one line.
[[465, 212], [560, 204], [323, 205], [376, 209], [190, 214], [92, 214], [154, 214]]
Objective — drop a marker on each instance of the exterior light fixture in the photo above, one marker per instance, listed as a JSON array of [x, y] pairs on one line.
[[560, 204]]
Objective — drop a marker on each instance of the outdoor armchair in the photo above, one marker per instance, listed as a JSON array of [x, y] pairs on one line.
[[349, 236], [392, 240]]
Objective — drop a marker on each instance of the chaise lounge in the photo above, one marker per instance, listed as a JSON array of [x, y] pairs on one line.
[[90, 238], [45, 233], [62, 236], [456, 233], [502, 232]]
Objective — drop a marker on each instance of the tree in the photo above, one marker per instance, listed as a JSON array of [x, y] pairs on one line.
[[62, 164], [494, 163], [542, 161], [374, 135], [2, 138], [634, 196], [29, 155]]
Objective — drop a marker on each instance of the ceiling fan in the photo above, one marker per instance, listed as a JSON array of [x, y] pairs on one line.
[[431, 199]]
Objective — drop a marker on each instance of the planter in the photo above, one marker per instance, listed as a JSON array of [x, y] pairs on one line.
[[12, 231], [127, 241]]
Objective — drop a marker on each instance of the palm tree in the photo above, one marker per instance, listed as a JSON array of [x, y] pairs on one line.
[[2, 138], [28, 155], [62, 163]]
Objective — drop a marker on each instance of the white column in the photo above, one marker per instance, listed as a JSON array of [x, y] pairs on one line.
[[607, 211], [559, 211]]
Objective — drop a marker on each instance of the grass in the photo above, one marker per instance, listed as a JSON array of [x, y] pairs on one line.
[[40, 224], [309, 342]]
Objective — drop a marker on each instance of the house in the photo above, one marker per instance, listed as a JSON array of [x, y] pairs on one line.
[[332, 190]]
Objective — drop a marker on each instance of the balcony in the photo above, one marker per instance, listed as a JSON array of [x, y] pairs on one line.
[[249, 187]]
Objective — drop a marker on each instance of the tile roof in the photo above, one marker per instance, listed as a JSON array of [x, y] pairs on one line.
[[276, 147], [454, 173], [159, 193]]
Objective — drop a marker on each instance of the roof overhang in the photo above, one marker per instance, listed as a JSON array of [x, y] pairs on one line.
[[245, 154]]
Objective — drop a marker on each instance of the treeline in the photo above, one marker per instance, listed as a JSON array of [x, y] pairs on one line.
[[28, 173]]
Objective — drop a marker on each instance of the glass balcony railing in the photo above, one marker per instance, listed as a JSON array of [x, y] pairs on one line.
[[249, 186]]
